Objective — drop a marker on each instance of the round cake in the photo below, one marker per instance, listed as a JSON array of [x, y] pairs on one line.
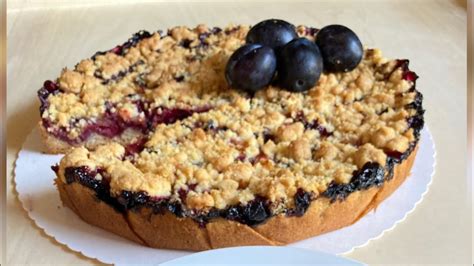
[[162, 150]]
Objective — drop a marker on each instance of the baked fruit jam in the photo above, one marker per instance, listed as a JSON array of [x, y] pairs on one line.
[[189, 134]]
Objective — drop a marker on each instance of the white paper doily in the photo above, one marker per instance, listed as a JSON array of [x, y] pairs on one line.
[[36, 191]]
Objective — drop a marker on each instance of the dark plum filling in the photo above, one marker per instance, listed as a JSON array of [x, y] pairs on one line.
[[371, 174], [175, 208], [267, 136], [302, 201], [410, 76], [416, 122], [123, 48], [230, 31], [49, 87], [253, 213], [55, 168], [135, 147], [111, 124], [322, 130], [130, 200], [203, 44], [312, 125], [210, 125], [186, 43], [86, 177], [311, 31], [201, 37], [179, 78], [407, 74], [182, 193]]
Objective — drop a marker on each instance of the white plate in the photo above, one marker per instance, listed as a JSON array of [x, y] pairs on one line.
[[261, 255], [36, 190]]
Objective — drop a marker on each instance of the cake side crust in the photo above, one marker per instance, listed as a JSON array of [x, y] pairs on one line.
[[169, 231], [323, 216], [54, 145], [94, 211]]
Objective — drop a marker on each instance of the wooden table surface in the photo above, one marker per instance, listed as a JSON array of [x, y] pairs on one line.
[[42, 39]]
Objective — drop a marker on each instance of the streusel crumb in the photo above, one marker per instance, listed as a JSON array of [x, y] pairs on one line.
[[239, 146]]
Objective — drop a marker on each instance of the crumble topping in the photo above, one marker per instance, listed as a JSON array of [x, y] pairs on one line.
[[269, 144]]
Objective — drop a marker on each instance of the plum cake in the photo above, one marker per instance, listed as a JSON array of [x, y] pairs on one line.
[[206, 137]]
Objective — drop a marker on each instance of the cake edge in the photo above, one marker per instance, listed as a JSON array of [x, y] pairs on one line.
[[55, 145], [171, 232]]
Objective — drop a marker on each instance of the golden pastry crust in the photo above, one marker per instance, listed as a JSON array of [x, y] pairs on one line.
[[169, 231]]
